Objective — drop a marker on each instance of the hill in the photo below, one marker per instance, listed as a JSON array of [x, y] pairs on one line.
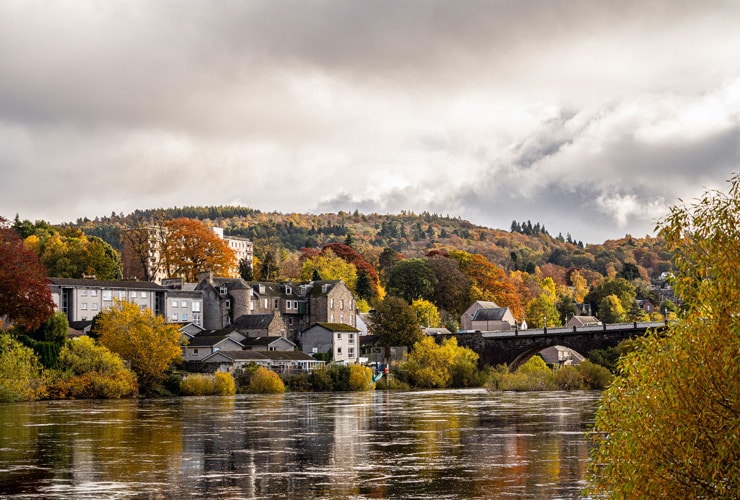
[[524, 246]]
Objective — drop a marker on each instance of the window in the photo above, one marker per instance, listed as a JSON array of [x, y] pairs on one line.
[[341, 304], [290, 321], [266, 304], [95, 306], [83, 306], [331, 303], [196, 306], [332, 319], [251, 305], [133, 294], [223, 290], [195, 350], [351, 352], [277, 303], [341, 318], [107, 295], [83, 293], [351, 338], [93, 293], [121, 294], [173, 317], [183, 304], [339, 351], [228, 304], [143, 295], [184, 317], [174, 303], [339, 336], [143, 308]]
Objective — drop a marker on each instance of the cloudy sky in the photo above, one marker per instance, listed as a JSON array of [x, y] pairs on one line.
[[591, 117]]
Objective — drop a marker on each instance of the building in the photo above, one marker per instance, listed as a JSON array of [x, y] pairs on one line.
[[224, 299], [242, 248], [339, 340], [487, 317], [202, 346]]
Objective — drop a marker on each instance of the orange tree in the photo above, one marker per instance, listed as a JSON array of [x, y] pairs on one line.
[[669, 426], [188, 247], [489, 282], [140, 337]]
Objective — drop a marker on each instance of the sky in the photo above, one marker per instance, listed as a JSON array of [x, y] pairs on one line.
[[591, 117]]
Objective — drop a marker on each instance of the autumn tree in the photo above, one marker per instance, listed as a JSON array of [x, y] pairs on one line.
[[426, 313], [668, 425], [20, 371], [190, 247], [434, 365], [328, 266], [489, 282], [395, 323], [25, 295], [71, 254], [542, 310], [138, 336], [452, 287], [619, 287], [352, 256]]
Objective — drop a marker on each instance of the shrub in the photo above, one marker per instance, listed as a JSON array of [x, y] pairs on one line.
[[594, 376], [339, 375], [569, 378], [299, 382], [199, 384], [320, 380], [265, 381], [360, 378]]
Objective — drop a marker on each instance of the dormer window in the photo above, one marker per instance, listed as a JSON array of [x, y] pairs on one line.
[[288, 290], [223, 290]]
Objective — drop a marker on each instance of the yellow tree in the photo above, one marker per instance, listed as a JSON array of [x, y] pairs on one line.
[[427, 313], [668, 425], [327, 266], [580, 286], [541, 310], [442, 365], [140, 337], [189, 247]]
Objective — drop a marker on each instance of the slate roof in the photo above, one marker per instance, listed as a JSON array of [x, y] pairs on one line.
[[138, 285], [251, 322], [263, 341], [492, 314], [206, 340]]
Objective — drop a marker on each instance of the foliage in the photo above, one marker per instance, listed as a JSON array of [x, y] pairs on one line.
[[609, 357], [543, 307], [199, 384], [339, 375], [138, 336], [320, 380], [20, 372], [395, 323], [189, 247], [329, 267], [90, 371], [611, 310], [488, 282], [25, 296], [431, 364], [668, 425], [452, 288], [265, 381], [619, 287], [426, 313], [360, 378], [411, 279]]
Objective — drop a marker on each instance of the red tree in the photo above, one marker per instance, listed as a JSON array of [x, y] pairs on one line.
[[349, 254], [25, 295]]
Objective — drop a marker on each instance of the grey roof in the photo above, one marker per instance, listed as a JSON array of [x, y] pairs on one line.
[[138, 285], [207, 340], [251, 322], [493, 314], [337, 327], [264, 341]]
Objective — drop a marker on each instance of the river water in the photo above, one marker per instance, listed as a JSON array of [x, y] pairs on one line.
[[428, 444]]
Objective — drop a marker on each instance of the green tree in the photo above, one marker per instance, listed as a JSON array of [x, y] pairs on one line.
[[140, 337], [452, 288], [395, 322], [20, 371], [668, 425], [611, 310], [411, 279], [620, 287]]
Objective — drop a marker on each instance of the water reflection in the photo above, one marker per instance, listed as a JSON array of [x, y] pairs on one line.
[[434, 444]]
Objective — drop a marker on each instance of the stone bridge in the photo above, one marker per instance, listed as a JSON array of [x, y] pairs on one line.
[[516, 347]]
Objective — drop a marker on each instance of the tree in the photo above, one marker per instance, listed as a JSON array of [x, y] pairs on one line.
[[90, 371], [611, 310], [245, 269], [426, 313], [71, 254], [395, 323], [489, 282], [620, 287], [25, 295], [265, 381], [542, 311], [667, 426], [140, 337], [452, 286], [442, 365], [20, 371], [411, 279], [189, 247], [327, 266]]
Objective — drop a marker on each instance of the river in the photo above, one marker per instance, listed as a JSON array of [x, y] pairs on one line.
[[427, 444]]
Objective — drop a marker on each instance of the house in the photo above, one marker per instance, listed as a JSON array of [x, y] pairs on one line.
[[224, 299], [378, 354], [647, 305], [560, 356], [329, 302], [268, 344], [487, 317], [202, 346], [258, 325], [340, 340], [83, 299], [581, 321], [182, 306], [278, 361], [436, 331]]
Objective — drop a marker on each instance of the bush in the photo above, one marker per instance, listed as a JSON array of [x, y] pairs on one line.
[[339, 375], [360, 378], [569, 378], [265, 381], [319, 380], [298, 382], [199, 384], [594, 376]]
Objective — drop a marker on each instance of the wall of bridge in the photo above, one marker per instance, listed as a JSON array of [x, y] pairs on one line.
[[514, 348]]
